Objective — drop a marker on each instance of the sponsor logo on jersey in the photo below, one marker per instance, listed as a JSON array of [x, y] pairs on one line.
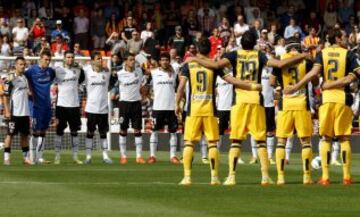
[[201, 97]]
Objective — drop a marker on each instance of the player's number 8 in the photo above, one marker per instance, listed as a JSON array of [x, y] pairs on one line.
[[201, 78]]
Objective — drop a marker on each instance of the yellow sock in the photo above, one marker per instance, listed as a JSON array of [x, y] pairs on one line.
[[306, 156], [234, 154], [214, 159], [346, 158], [188, 158], [325, 148], [264, 161], [280, 159]]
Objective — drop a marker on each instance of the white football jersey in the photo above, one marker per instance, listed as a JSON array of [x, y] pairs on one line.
[[18, 91], [164, 85], [97, 86], [225, 94], [130, 84], [267, 89], [68, 80]]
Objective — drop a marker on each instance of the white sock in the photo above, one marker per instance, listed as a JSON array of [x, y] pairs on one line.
[[33, 144], [181, 143], [153, 143], [89, 147], [253, 147], [6, 156], [57, 144], [104, 147], [270, 142], [40, 147], [335, 150], [203, 147], [173, 145], [288, 147], [122, 145], [75, 146], [138, 144]]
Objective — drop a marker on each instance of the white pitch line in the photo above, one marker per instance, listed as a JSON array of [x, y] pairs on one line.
[[91, 183], [52, 169]]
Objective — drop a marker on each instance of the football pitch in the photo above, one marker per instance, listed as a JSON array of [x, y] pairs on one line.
[[152, 190]]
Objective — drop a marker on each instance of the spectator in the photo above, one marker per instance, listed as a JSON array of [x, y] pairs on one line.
[[291, 29], [354, 36], [225, 30], [273, 33], [345, 12], [20, 34], [27, 7], [81, 29], [116, 45], [32, 18], [59, 9], [215, 41], [191, 52], [330, 16], [67, 22], [46, 10], [16, 15], [147, 33], [171, 19], [128, 29], [206, 19], [350, 25], [5, 50], [239, 28], [98, 24], [290, 14], [152, 47], [262, 42], [37, 31], [80, 8], [312, 21], [61, 31], [44, 45], [256, 28], [77, 51], [231, 45], [59, 45], [116, 63], [190, 24], [280, 46], [4, 27], [112, 25], [111, 10], [135, 43], [312, 42], [219, 53], [178, 41]]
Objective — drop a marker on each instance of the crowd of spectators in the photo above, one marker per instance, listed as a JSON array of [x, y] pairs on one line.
[[153, 26]]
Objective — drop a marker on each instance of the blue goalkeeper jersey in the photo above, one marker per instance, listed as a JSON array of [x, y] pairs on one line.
[[40, 81]]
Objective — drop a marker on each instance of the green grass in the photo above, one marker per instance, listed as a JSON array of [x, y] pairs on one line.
[[152, 190]]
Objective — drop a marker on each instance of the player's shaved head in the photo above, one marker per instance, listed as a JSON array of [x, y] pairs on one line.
[[204, 46]]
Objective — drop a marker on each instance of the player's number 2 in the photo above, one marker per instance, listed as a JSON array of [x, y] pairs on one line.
[[333, 66]]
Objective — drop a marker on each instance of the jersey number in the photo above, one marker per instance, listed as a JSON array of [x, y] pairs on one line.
[[201, 79], [248, 70], [332, 69], [294, 75]]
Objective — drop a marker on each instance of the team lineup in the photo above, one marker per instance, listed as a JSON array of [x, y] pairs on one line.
[[209, 96]]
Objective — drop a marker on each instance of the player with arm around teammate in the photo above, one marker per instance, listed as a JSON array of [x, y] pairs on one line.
[[248, 113], [201, 112], [339, 67]]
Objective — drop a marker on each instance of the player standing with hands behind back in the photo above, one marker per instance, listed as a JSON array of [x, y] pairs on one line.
[[16, 108]]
